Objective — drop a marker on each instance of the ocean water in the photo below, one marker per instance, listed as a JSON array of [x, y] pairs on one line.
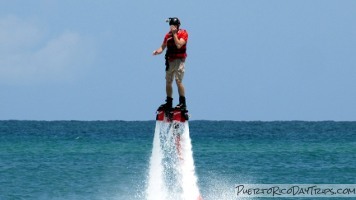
[[110, 159]]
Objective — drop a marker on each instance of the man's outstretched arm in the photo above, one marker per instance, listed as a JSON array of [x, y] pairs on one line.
[[160, 49]]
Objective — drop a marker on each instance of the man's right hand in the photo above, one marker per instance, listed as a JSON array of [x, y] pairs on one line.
[[155, 52], [159, 50]]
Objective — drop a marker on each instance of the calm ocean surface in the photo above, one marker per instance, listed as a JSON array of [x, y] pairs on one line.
[[110, 159]]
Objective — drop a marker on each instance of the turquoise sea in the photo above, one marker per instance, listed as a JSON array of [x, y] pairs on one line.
[[67, 160]]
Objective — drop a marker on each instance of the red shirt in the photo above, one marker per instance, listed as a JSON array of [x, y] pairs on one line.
[[172, 51]]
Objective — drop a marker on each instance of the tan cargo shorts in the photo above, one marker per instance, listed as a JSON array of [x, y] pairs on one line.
[[176, 70]]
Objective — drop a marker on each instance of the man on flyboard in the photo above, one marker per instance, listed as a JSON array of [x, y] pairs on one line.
[[176, 43]]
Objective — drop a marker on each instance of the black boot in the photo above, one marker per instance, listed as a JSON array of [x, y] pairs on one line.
[[168, 104], [182, 105]]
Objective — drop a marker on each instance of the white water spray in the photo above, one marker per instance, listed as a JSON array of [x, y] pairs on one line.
[[172, 171]]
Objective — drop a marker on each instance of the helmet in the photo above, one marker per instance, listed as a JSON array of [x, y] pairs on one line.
[[173, 21]]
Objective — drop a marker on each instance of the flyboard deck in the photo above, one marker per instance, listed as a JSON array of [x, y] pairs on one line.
[[172, 115]]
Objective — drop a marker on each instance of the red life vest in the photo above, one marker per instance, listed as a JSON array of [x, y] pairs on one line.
[[172, 51]]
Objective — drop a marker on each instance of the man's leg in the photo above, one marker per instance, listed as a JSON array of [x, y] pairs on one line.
[[181, 89], [179, 75], [169, 91], [180, 86], [169, 88]]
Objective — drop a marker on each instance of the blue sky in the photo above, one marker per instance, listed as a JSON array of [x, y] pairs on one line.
[[247, 60]]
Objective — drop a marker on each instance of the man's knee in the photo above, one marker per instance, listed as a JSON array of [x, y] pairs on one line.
[[169, 82], [179, 82]]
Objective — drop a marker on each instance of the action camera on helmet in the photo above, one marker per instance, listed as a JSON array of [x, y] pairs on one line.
[[173, 21]]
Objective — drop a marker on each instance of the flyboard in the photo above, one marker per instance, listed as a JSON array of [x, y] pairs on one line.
[[179, 179], [172, 115]]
